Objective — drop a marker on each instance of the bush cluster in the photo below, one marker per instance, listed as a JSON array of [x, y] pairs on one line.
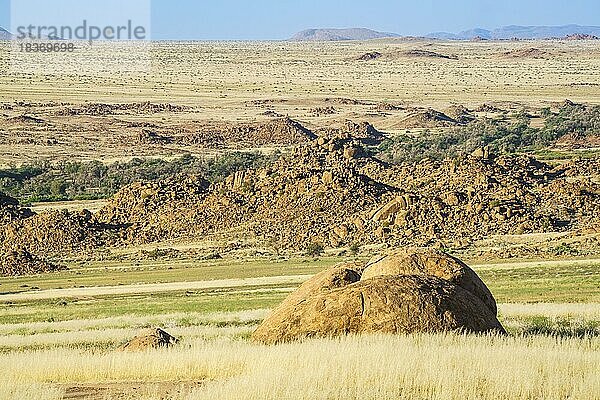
[[74, 180], [503, 137]]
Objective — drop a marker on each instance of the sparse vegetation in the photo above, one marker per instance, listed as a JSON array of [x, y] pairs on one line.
[[75, 180], [579, 120], [502, 137]]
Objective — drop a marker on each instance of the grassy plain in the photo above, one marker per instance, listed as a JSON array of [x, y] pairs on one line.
[[56, 343]]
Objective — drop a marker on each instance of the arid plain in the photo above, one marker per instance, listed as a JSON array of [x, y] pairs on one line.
[[304, 155]]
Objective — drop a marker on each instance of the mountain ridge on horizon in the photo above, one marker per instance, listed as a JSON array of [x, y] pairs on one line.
[[502, 33], [340, 34], [519, 32]]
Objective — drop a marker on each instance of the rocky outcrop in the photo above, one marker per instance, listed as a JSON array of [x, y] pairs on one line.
[[22, 262], [428, 118], [55, 232], [423, 291], [279, 131], [333, 192], [10, 210]]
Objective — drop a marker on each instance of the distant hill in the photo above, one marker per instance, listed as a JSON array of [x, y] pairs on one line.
[[330, 35], [521, 32], [5, 35]]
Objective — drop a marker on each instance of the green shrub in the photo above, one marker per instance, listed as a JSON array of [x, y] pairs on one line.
[[354, 248], [314, 249]]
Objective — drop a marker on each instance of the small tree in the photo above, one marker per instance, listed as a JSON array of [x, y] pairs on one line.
[[314, 249], [354, 249]]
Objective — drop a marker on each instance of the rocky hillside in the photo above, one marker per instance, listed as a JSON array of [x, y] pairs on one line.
[[331, 191], [305, 196], [456, 201], [278, 131]]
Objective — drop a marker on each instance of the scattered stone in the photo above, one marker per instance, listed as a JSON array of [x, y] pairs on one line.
[[416, 53], [103, 109], [373, 55], [319, 111], [150, 339]]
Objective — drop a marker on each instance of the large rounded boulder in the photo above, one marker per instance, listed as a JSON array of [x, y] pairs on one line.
[[403, 292]]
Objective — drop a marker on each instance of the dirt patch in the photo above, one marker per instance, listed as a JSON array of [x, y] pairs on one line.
[[129, 390]]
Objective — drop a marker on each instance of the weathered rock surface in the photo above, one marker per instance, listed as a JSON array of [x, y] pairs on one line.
[[431, 263], [21, 262], [423, 291], [10, 210]]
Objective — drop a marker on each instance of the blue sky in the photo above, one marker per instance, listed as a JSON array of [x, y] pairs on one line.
[[279, 19]]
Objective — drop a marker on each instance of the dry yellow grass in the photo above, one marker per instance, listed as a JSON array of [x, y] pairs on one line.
[[444, 366], [371, 367]]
